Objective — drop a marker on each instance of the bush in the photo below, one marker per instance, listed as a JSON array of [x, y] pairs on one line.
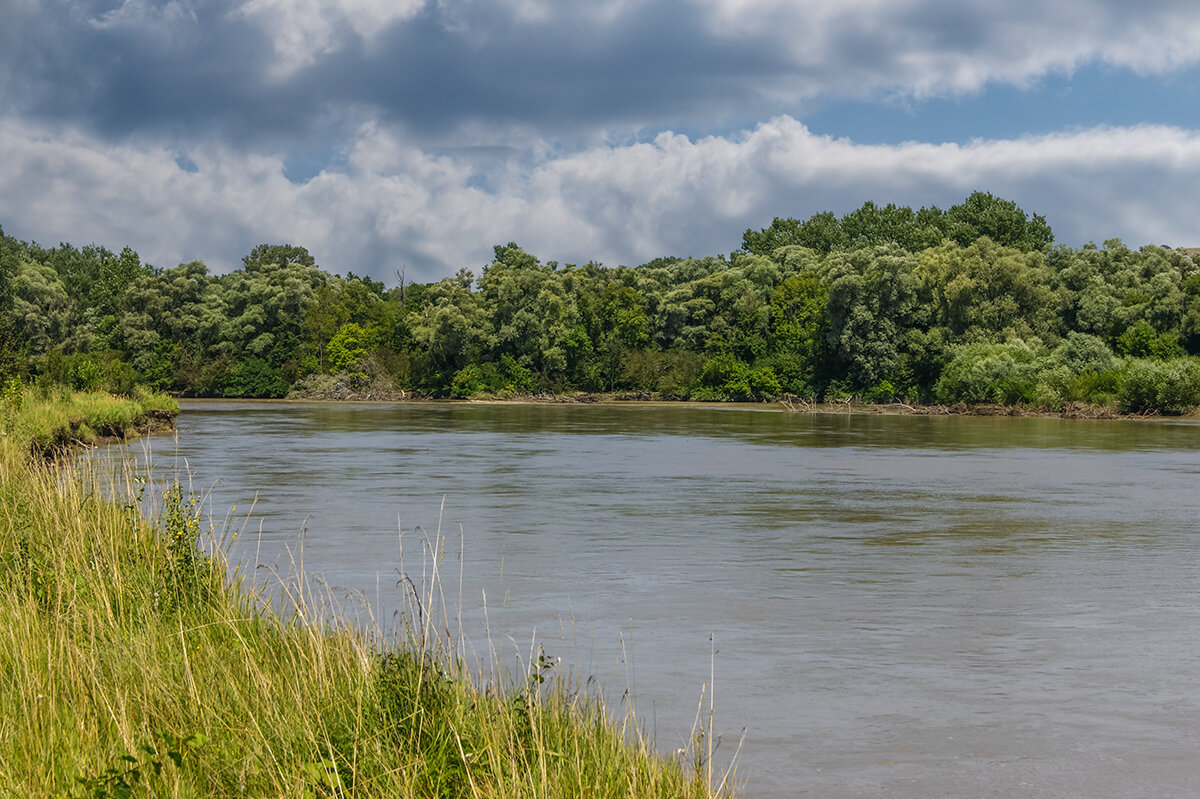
[[1081, 353], [475, 378], [254, 377], [795, 374], [346, 348], [1006, 373], [881, 392], [506, 377], [1171, 387], [1140, 340], [674, 373], [725, 377]]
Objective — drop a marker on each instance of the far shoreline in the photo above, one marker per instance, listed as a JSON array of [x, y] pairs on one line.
[[1075, 411]]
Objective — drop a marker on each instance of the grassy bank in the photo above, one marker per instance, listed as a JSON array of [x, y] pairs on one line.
[[131, 661], [54, 419]]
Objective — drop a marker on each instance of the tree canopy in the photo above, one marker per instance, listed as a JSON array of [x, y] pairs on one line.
[[974, 303]]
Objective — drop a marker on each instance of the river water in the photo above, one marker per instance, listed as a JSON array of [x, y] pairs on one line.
[[900, 606]]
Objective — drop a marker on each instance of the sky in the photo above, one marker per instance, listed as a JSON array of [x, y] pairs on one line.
[[413, 135]]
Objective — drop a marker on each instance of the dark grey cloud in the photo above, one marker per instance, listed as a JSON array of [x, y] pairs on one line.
[[387, 133], [186, 74], [212, 71], [277, 74]]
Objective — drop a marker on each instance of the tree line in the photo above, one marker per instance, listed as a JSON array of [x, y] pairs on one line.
[[971, 304]]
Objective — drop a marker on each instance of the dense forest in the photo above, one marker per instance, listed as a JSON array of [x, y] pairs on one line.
[[971, 304]]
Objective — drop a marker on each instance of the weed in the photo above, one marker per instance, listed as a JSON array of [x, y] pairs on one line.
[[127, 772], [11, 399]]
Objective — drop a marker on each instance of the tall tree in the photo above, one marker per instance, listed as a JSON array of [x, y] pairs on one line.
[[1001, 220]]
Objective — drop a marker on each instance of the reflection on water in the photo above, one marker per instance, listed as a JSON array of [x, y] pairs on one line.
[[903, 606]]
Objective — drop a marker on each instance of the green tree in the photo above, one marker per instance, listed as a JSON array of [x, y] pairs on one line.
[[798, 326], [347, 347], [266, 257], [107, 294], [1001, 220], [987, 292], [42, 311], [448, 327], [780, 233], [1005, 373], [528, 313], [872, 225], [166, 318], [874, 306], [9, 264]]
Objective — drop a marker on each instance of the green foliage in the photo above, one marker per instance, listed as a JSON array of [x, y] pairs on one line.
[[416, 702], [475, 379], [526, 311], [870, 226], [727, 378], [875, 303], [42, 311], [881, 392], [874, 299], [1000, 220], [986, 292], [9, 248], [347, 347], [11, 398], [1141, 340], [1006, 373], [979, 215], [1081, 353], [507, 377], [185, 573], [322, 778], [794, 373], [127, 773], [267, 257], [822, 233], [1171, 387], [254, 377]]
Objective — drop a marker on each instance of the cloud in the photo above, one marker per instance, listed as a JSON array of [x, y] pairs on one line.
[[280, 74], [937, 47], [396, 205], [302, 31]]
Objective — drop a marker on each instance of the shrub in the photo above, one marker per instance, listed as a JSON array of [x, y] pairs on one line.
[[475, 378], [1005, 373], [1140, 340], [725, 377], [254, 377], [883, 391], [795, 374], [346, 347], [1081, 353], [1165, 386]]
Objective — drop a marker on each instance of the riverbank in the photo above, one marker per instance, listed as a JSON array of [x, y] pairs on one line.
[[131, 659], [58, 421], [335, 391]]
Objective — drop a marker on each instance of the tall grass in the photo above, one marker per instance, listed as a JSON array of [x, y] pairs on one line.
[[132, 661], [52, 419]]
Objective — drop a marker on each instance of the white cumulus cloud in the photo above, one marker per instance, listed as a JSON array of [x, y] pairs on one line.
[[395, 205]]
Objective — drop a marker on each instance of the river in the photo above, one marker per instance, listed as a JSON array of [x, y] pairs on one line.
[[900, 606]]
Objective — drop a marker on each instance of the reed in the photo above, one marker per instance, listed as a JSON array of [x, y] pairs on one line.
[[132, 661]]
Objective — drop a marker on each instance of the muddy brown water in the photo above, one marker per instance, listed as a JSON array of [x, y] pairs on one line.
[[901, 606]]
